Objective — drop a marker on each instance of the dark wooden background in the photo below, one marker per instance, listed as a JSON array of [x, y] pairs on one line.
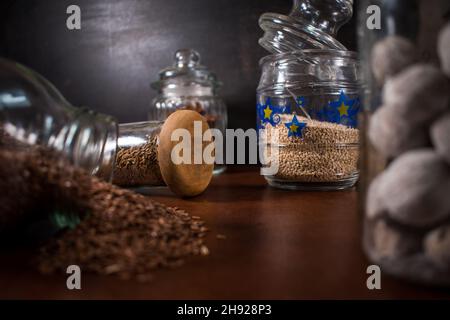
[[109, 64]]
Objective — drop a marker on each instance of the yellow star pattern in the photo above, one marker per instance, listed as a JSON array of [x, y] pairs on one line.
[[293, 127], [267, 112], [343, 110]]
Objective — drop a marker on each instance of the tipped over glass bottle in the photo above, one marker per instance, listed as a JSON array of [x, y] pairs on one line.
[[33, 111], [33, 114]]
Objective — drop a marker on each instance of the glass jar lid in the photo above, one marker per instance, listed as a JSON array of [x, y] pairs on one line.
[[311, 24], [186, 70]]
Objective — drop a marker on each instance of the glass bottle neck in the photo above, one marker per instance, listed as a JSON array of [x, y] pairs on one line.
[[85, 138], [89, 141]]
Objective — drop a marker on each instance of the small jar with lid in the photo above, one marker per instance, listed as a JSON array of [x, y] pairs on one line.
[[189, 85], [308, 98]]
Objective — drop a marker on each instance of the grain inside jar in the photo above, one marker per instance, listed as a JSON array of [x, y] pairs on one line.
[[144, 155], [325, 152], [138, 165], [137, 155]]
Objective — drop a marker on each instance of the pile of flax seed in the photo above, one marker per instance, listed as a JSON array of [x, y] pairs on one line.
[[121, 232]]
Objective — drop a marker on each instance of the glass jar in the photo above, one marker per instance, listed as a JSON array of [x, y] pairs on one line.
[[145, 156], [33, 112], [310, 100], [405, 132], [190, 86]]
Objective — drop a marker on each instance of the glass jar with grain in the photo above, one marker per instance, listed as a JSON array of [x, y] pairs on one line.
[[308, 98]]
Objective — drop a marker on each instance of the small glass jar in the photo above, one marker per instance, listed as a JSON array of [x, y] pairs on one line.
[[310, 100], [190, 86], [405, 170]]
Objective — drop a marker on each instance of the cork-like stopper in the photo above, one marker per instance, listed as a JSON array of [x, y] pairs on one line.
[[188, 178]]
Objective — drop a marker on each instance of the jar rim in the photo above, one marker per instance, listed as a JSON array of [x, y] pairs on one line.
[[308, 53]]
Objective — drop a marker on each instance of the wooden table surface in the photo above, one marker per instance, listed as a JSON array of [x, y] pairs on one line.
[[279, 245]]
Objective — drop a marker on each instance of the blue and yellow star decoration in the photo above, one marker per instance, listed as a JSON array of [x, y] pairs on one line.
[[269, 113], [343, 110], [295, 127]]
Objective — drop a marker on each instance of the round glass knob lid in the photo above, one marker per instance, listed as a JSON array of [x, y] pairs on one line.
[[187, 58], [186, 67], [311, 24]]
